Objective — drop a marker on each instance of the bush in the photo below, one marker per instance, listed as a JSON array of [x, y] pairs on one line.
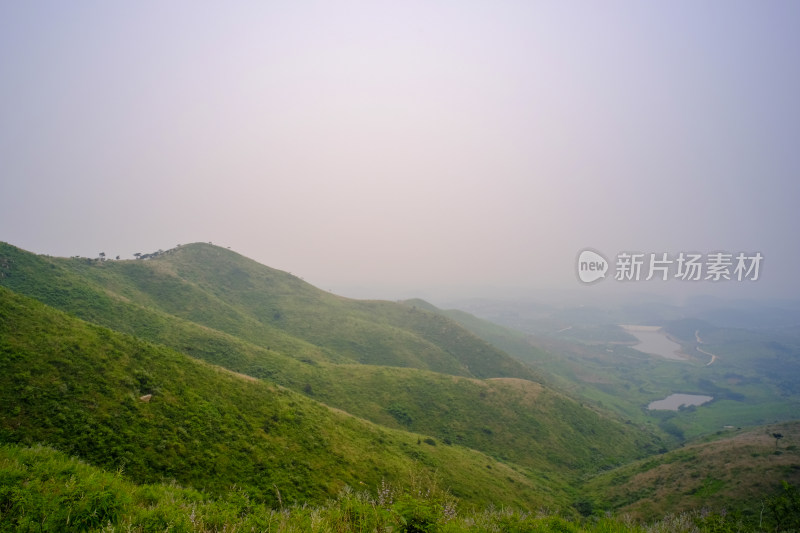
[[417, 516], [784, 509]]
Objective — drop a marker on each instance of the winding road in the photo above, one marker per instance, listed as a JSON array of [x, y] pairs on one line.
[[700, 341]]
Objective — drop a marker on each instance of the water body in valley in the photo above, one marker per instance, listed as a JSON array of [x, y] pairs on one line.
[[653, 341], [674, 401]]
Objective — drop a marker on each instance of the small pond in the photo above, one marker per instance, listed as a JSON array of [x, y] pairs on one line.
[[674, 401]]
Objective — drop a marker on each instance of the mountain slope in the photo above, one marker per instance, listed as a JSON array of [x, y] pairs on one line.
[[84, 389], [552, 434], [512, 419], [733, 470], [222, 290]]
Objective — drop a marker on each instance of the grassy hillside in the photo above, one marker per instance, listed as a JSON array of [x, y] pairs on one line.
[[370, 332], [581, 371], [216, 371], [511, 341], [753, 378], [544, 430], [511, 419], [733, 470], [84, 389], [44, 490], [222, 290]]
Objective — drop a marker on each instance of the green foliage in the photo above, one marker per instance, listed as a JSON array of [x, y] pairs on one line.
[[733, 470], [784, 509], [222, 290], [215, 305], [517, 420], [400, 414], [423, 506], [416, 515], [81, 388], [129, 398], [39, 490], [44, 490], [754, 381]]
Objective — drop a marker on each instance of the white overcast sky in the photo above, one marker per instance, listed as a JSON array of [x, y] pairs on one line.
[[394, 147]]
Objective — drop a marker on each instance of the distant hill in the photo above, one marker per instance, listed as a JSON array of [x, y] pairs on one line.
[[752, 373]]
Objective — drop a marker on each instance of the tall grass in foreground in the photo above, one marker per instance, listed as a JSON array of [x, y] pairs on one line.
[[44, 490]]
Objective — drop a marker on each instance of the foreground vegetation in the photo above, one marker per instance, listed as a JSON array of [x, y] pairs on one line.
[[44, 490]]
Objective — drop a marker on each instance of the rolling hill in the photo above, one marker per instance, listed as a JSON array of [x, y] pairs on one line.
[[122, 403], [202, 367], [398, 365], [222, 290], [734, 469]]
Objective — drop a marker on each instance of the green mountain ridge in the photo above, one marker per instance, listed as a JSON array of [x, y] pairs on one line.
[[220, 289], [558, 435], [261, 380]]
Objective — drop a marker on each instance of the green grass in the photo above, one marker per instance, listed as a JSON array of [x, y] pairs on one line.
[[218, 289], [515, 420], [42, 489], [225, 291], [733, 469], [77, 387], [754, 381], [292, 394], [217, 306]]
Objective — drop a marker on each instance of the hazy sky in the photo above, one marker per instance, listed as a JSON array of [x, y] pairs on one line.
[[401, 146]]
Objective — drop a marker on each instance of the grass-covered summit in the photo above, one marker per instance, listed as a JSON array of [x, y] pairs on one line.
[[220, 289]]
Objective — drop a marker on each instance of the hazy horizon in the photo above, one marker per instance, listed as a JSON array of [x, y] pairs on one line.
[[384, 148]]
